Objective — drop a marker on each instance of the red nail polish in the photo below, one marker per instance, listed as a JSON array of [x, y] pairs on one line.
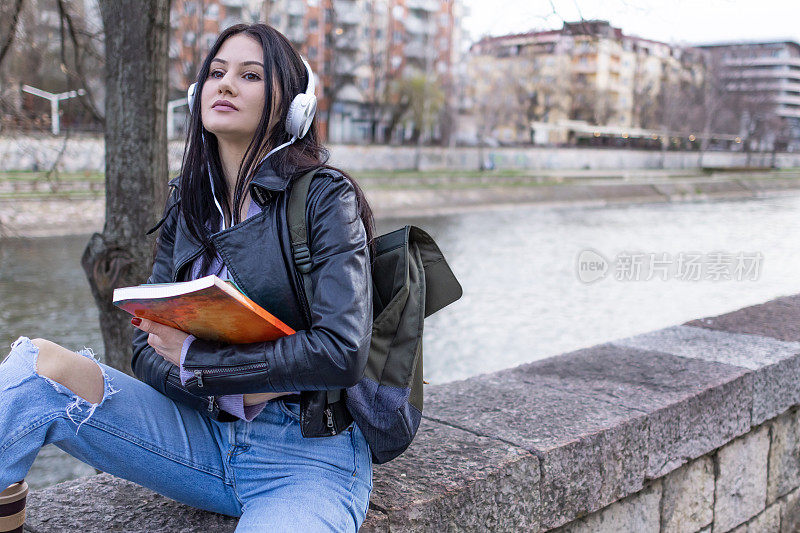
[[136, 321]]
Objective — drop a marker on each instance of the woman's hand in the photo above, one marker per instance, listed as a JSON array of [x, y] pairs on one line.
[[166, 341]]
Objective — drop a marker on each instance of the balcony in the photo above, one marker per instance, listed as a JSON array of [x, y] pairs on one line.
[[787, 99], [415, 51], [416, 26], [295, 8], [585, 68], [788, 112], [345, 66], [762, 61], [425, 5], [348, 16], [346, 42], [296, 34]]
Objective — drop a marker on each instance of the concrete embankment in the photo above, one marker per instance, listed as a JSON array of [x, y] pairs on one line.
[[30, 209], [690, 428]]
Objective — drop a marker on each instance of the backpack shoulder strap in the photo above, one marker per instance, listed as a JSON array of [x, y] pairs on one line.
[[296, 216], [301, 253]]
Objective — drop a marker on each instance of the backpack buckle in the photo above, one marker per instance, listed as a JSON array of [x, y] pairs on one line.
[[302, 258]]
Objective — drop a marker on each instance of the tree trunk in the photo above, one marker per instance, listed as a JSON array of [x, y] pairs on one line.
[[136, 41]]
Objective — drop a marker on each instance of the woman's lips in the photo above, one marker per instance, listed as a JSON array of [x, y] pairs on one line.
[[223, 107]]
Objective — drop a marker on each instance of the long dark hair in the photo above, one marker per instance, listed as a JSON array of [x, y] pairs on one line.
[[283, 64]]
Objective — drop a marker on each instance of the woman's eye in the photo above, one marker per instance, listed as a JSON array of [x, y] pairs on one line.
[[213, 73], [255, 77]]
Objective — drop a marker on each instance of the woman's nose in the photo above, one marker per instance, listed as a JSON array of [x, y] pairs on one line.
[[225, 85]]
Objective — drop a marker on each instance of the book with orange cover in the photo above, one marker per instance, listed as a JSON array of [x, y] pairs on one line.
[[208, 308]]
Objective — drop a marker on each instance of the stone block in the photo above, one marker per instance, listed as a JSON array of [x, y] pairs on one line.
[[687, 502], [453, 479], [637, 513], [592, 452], [776, 318], [741, 483], [698, 424], [693, 406], [103, 503], [595, 416], [776, 364], [784, 455], [375, 522], [767, 522], [790, 512]]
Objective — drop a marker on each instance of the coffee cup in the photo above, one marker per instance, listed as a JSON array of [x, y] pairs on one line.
[[12, 507]]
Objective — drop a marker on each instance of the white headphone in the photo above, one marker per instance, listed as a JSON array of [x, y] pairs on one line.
[[298, 121]]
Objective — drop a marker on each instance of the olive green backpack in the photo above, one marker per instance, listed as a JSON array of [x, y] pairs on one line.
[[410, 281]]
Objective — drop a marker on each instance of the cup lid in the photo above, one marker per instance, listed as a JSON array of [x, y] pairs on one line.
[[14, 493]]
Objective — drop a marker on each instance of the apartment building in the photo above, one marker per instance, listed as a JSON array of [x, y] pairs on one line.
[[586, 73], [356, 48], [359, 47], [767, 77], [194, 26]]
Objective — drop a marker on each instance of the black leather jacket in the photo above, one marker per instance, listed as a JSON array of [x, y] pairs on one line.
[[330, 354]]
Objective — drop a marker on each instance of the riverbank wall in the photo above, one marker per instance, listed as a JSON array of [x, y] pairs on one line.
[[691, 428], [83, 211], [83, 153]]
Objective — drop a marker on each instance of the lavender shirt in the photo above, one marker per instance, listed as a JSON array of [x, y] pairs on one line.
[[232, 403]]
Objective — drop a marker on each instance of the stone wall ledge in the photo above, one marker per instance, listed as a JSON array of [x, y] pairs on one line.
[[86, 153], [556, 442]]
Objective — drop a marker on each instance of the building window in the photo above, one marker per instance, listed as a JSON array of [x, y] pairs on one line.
[[313, 24], [233, 12], [397, 37], [312, 52], [212, 11]]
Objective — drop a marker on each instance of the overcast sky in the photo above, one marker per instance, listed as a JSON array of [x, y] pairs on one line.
[[673, 21]]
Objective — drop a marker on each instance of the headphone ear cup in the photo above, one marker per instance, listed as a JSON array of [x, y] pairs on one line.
[[190, 95], [301, 114]]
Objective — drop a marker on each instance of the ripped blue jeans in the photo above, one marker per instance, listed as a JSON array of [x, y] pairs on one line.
[[264, 472]]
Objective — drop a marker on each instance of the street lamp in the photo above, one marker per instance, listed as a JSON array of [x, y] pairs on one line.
[[54, 98]]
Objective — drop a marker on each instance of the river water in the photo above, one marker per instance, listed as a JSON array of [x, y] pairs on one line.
[[526, 296]]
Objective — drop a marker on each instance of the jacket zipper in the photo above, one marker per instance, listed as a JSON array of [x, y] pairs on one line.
[[329, 416], [245, 369]]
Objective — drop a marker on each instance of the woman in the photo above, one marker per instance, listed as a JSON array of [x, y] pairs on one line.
[[258, 431]]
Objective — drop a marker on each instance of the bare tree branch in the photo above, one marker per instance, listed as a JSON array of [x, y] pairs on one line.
[[87, 100], [12, 31]]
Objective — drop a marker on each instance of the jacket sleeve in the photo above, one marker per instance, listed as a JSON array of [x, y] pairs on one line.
[[147, 365], [333, 352]]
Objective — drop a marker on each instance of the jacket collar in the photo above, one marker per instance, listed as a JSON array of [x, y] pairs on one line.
[[264, 184], [266, 178]]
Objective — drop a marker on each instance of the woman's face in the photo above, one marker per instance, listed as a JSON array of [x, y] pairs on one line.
[[236, 76]]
